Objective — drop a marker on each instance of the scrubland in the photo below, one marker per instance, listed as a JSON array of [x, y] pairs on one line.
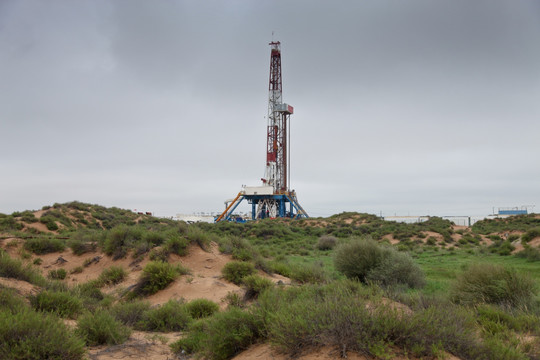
[[84, 281]]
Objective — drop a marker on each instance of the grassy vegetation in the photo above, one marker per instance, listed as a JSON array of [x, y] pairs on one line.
[[436, 291]]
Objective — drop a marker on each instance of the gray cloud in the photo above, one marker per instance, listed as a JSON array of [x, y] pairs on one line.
[[401, 107]]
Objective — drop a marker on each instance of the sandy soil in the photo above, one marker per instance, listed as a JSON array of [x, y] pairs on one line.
[[265, 352], [141, 345]]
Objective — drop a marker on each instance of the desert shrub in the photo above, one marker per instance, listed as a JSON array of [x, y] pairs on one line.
[[50, 222], [326, 242], [176, 244], [101, 328], [171, 316], [308, 273], [9, 223], [154, 238], [88, 290], [62, 303], [235, 271], [112, 276], [239, 248], [14, 268], [10, 301], [41, 246], [28, 217], [80, 247], [156, 276], [493, 284], [357, 258], [280, 267], [233, 300], [530, 234], [255, 284], [368, 261], [57, 274], [345, 316], [221, 336], [159, 254], [37, 261], [120, 239], [530, 253], [27, 334], [196, 235], [397, 268], [501, 247], [77, 270], [431, 241], [140, 248], [130, 313], [200, 308]]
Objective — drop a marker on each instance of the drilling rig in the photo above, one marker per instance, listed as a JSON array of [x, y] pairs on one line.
[[271, 199]]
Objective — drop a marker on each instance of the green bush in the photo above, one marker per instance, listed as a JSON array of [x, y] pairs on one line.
[[176, 244], [120, 239], [200, 308], [397, 268], [101, 328], [255, 284], [80, 247], [530, 234], [29, 335], [112, 276], [357, 258], [156, 276], [29, 217], [63, 304], [10, 301], [494, 284], [14, 268], [50, 222], [221, 336], [326, 242], [347, 317], [88, 290], [308, 273], [235, 271], [368, 261], [198, 236], [130, 313], [9, 223], [154, 238], [171, 316], [44, 245], [57, 274]]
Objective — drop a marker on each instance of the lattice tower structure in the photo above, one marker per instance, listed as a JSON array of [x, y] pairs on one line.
[[278, 116]]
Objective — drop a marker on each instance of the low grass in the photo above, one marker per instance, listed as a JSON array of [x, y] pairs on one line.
[[442, 267]]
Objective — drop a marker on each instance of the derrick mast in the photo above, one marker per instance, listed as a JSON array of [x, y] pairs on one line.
[[278, 116]]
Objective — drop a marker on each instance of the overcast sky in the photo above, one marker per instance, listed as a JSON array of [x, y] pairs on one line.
[[401, 107]]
